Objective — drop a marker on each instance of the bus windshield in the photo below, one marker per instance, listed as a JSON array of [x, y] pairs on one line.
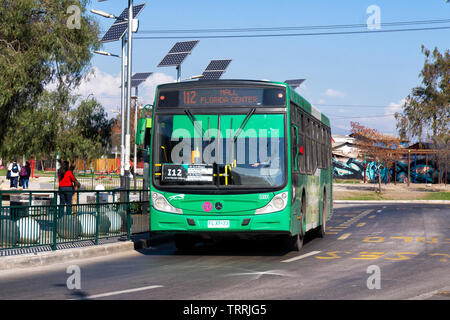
[[226, 151]]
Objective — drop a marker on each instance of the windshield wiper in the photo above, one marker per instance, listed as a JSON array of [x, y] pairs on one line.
[[194, 122], [243, 124]]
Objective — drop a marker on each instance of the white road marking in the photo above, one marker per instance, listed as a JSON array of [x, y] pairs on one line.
[[378, 211], [344, 236], [114, 293], [425, 295], [302, 256]]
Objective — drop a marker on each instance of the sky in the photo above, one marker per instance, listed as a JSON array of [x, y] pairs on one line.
[[352, 77]]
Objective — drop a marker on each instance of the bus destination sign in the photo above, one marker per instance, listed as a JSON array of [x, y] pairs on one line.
[[221, 97]]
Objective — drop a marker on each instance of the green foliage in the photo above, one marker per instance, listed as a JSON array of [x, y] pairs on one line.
[[79, 133], [427, 108], [37, 48]]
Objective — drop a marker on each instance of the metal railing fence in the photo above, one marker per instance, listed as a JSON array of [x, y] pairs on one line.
[[36, 218]]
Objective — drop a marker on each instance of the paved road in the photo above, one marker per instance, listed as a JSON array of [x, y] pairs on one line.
[[409, 245]]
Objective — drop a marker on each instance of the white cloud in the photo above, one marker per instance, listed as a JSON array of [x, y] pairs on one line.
[[105, 88], [334, 93], [148, 88], [395, 107]]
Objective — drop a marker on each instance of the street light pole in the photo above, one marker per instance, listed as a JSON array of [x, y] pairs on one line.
[[129, 68], [136, 107], [122, 114]]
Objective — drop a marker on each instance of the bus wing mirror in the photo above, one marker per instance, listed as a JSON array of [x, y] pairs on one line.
[[140, 130]]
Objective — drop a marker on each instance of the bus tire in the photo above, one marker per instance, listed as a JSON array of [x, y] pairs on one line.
[[184, 242], [292, 243], [321, 231]]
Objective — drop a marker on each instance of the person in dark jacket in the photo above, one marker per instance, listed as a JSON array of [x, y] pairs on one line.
[[25, 173]]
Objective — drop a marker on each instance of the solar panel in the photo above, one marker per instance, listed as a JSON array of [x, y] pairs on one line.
[[138, 78], [295, 83], [173, 59], [141, 76], [218, 65], [115, 32], [136, 11], [178, 53], [185, 46], [215, 69], [119, 26], [212, 75]]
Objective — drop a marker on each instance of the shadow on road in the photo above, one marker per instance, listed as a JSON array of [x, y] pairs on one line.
[[228, 246]]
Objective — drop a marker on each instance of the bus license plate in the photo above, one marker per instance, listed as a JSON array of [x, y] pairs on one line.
[[218, 223]]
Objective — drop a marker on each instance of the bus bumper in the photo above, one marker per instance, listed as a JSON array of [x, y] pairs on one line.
[[170, 222]]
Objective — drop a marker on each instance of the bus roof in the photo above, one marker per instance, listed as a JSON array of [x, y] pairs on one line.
[[292, 94]]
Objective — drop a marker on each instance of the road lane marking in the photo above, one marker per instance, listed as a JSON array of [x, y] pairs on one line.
[[371, 217], [312, 253], [424, 296], [362, 224], [378, 211], [373, 239], [344, 236], [114, 293]]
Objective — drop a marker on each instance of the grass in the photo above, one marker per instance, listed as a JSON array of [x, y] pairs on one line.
[[443, 195], [347, 181], [368, 196]]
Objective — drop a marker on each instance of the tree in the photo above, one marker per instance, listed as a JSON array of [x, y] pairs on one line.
[[427, 108], [81, 132], [378, 147], [91, 122], [39, 46]]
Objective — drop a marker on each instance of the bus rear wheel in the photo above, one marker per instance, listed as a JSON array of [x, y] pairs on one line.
[[322, 228]]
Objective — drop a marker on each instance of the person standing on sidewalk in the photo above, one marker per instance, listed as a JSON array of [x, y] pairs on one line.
[[25, 174], [14, 168], [66, 181]]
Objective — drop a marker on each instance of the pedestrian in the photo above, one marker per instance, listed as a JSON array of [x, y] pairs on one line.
[[25, 174], [14, 168], [66, 188]]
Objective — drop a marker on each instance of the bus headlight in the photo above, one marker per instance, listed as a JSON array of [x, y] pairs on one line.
[[278, 203], [160, 203]]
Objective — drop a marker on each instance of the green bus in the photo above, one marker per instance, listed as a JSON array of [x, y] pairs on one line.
[[238, 157]]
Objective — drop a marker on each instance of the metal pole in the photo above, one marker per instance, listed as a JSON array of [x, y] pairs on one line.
[[122, 114], [178, 73], [129, 68], [409, 166], [135, 131]]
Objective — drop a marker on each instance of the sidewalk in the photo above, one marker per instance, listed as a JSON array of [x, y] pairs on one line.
[[390, 192], [49, 257]]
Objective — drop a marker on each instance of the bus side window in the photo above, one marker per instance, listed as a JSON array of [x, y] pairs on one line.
[[308, 145], [301, 157], [320, 149], [294, 147]]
